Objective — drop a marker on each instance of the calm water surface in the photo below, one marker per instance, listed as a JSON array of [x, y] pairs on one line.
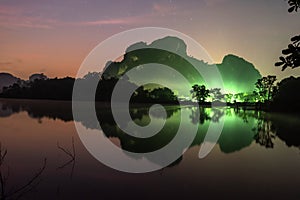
[[257, 155]]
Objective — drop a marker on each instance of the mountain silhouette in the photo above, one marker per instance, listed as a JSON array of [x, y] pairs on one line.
[[7, 79], [238, 74]]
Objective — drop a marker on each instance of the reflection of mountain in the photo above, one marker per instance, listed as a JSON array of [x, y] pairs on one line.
[[49, 109], [5, 111], [240, 128], [140, 116], [238, 75], [236, 134]]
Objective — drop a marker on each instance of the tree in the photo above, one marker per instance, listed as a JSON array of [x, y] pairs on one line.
[[200, 92], [216, 94], [92, 76], [294, 5], [287, 98], [265, 88], [228, 97], [291, 56], [163, 95]]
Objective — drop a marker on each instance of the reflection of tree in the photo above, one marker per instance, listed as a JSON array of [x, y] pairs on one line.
[[216, 115], [199, 115], [140, 115], [287, 129], [265, 133], [38, 109], [235, 136], [20, 191], [244, 115], [62, 110]]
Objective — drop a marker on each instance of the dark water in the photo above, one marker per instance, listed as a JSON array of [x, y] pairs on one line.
[[257, 155]]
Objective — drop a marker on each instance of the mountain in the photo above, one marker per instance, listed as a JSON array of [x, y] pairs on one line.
[[37, 76], [146, 63], [238, 74], [7, 79]]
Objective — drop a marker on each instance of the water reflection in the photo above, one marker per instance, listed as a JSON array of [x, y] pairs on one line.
[[241, 127], [251, 143]]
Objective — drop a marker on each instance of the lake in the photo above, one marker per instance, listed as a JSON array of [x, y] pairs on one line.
[[257, 155]]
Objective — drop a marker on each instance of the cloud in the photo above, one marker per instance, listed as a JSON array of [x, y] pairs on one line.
[[133, 20], [12, 17], [163, 8], [118, 21], [157, 10]]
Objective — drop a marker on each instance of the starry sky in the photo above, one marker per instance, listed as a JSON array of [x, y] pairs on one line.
[[54, 36]]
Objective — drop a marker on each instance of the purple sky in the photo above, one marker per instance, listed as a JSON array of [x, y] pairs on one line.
[[55, 36]]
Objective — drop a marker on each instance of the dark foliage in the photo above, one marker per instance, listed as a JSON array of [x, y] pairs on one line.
[[291, 55], [288, 97], [294, 5], [53, 89], [200, 93], [265, 88]]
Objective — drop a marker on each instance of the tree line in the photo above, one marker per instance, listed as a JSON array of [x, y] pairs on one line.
[[281, 96]]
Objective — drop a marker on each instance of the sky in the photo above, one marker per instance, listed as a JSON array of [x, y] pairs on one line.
[[54, 36]]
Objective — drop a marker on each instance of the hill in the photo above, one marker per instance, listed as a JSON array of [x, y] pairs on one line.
[[7, 79], [238, 74]]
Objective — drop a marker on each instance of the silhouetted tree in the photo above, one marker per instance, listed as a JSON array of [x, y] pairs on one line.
[[159, 94], [92, 76], [200, 93], [16, 192], [238, 97], [287, 98], [216, 94], [162, 95], [291, 56], [265, 88], [294, 5], [228, 97], [56, 89]]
